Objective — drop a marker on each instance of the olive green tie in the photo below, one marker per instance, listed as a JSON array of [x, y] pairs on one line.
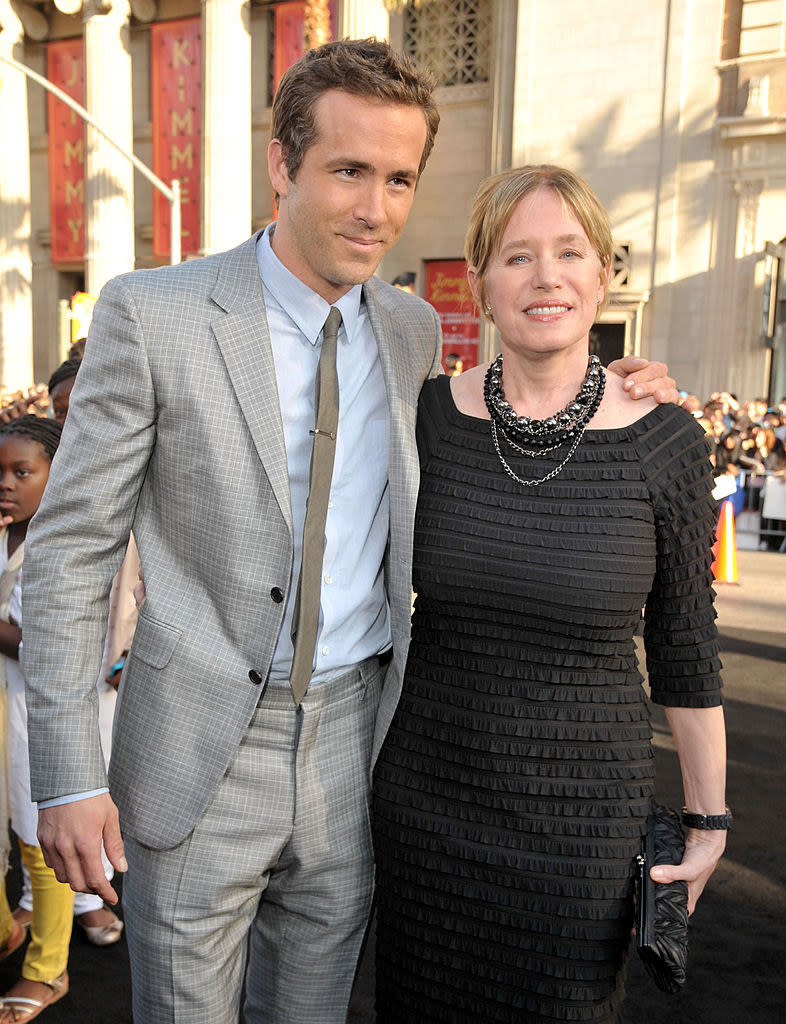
[[305, 618]]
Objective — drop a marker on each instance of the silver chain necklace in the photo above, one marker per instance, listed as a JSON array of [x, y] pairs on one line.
[[569, 424]]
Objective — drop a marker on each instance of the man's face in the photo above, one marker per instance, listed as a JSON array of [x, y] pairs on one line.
[[351, 196]]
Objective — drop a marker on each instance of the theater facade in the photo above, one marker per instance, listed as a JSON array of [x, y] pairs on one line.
[[675, 110]]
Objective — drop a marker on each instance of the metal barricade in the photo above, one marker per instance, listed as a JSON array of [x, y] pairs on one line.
[[761, 510]]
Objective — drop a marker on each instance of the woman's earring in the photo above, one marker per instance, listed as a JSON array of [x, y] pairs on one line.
[[488, 309]]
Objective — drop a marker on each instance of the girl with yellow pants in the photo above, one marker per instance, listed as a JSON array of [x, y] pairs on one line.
[[27, 446]]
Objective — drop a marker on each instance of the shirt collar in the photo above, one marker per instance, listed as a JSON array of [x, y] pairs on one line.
[[304, 307]]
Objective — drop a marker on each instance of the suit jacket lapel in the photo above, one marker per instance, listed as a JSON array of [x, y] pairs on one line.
[[241, 330], [392, 356], [402, 391]]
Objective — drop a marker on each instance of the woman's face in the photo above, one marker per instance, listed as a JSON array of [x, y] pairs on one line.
[[546, 281], [24, 471], [762, 439]]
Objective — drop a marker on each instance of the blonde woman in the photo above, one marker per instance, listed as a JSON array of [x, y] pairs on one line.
[[513, 788]]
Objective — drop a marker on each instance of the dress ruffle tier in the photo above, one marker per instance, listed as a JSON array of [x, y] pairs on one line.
[[512, 790]]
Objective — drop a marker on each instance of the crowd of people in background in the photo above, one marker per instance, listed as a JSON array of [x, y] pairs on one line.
[[749, 456], [38, 398], [748, 435]]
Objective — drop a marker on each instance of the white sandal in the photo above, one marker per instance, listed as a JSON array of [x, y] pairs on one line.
[[24, 1009], [102, 934]]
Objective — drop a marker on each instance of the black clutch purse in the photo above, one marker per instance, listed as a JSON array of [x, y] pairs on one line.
[[662, 908]]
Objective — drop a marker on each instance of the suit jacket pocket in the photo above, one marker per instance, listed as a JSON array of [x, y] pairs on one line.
[[154, 641]]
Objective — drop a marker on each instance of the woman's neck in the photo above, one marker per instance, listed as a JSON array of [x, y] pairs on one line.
[[540, 386]]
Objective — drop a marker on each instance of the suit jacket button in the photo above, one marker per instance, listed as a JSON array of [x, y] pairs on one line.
[[277, 594], [255, 677]]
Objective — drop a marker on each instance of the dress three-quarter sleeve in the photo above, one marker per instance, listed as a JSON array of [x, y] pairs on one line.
[[680, 634]]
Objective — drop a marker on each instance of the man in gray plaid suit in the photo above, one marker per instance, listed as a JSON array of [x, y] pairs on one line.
[[244, 816]]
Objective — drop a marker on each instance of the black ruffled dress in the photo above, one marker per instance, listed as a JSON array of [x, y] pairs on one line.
[[512, 790]]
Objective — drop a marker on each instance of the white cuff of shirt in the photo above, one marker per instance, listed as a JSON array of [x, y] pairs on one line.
[[58, 801]]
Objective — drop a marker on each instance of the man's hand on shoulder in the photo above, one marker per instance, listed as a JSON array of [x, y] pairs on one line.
[[70, 836], [646, 380]]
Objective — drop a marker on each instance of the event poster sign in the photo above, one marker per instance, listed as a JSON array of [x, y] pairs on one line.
[[447, 289], [176, 63], [65, 69]]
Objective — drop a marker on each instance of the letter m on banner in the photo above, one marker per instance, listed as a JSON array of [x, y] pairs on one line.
[[176, 62], [65, 69]]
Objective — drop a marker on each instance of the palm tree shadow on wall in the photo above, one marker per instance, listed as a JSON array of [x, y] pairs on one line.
[[13, 283]]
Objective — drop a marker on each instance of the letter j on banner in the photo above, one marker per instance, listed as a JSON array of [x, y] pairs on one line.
[[65, 69], [176, 61]]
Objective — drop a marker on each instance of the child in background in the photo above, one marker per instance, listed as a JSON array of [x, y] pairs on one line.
[[27, 446], [59, 387], [101, 926]]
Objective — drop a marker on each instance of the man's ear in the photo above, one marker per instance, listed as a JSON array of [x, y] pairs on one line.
[[277, 168]]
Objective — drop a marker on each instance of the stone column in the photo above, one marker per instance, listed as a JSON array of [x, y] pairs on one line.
[[16, 268], [359, 19], [501, 128], [503, 84], [109, 184], [226, 126]]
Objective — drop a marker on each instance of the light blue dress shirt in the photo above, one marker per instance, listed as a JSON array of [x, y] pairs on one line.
[[354, 616]]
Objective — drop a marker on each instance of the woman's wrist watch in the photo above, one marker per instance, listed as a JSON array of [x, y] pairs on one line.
[[706, 822]]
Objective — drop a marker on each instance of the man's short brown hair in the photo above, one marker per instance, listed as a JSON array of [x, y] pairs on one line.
[[361, 67]]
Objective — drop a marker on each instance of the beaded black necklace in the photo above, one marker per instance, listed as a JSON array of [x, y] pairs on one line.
[[541, 436]]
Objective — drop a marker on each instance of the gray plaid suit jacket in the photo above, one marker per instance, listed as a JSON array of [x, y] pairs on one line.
[[174, 432]]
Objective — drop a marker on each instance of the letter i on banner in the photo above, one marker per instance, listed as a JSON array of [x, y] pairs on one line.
[[176, 63], [65, 69]]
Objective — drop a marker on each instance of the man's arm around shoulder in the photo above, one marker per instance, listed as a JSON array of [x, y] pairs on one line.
[[643, 379]]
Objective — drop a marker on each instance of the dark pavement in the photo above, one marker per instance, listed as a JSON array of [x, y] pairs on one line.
[[737, 963]]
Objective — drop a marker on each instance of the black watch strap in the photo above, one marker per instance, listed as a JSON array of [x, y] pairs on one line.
[[706, 821]]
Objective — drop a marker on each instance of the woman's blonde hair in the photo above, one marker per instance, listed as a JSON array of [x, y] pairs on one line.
[[499, 196]]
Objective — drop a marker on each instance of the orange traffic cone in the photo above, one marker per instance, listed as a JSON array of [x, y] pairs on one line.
[[724, 567]]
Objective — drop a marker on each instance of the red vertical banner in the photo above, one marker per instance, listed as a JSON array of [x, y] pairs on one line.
[[288, 26], [288, 36], [448, 291], [288, 44], [176, 63], [65, 69]]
